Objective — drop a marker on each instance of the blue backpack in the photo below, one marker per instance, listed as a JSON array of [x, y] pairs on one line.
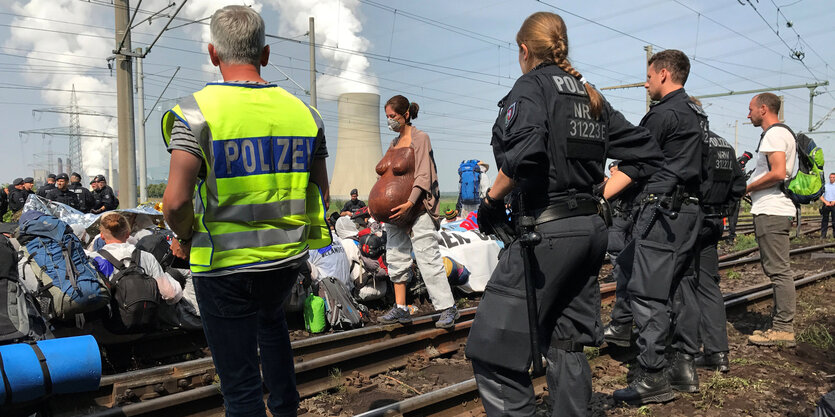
[[68, 282], [470, 174]]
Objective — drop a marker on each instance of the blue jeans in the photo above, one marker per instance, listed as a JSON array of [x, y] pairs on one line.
[[241, 313]]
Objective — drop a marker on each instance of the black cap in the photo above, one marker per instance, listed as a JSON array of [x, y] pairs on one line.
[[75, 174], [62, 176], [51, 176], [354, 192], [17, 181], [92, 181], [99, 178], [29, 180]]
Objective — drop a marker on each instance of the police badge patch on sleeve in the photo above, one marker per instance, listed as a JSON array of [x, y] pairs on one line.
[[510, 114]]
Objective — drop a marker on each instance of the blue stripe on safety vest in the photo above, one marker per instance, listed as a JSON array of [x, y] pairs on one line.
[[262, 155]]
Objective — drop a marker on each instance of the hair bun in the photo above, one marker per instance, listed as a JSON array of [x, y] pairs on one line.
[[413, 110]]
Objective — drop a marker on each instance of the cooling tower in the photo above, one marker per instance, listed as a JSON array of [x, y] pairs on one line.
[[358, 146]]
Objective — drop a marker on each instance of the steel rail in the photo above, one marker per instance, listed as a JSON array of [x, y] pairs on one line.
[[356, 350], [465, 391]]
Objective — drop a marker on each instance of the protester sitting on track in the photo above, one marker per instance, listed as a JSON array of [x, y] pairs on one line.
[[115, 231]]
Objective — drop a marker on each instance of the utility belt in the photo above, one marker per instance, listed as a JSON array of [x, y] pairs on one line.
[[572, 207]]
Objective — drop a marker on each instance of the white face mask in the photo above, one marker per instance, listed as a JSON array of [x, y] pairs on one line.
[[394, 125]]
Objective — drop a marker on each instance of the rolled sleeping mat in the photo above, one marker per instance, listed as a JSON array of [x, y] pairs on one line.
[[30, 371]]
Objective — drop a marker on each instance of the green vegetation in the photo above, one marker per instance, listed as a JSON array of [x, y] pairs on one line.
[[643, 411], [744, 242], [818, 336], [713, 391], [156, 190], [732, 274]]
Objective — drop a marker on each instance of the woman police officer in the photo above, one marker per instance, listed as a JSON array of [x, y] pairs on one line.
[[551, 140]]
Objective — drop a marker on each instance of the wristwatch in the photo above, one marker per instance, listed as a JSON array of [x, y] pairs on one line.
[[492, 201]]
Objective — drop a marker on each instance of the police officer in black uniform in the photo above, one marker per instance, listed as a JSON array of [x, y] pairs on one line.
[[49, 186], [62, 194], [18, 196], [550, 141], [28, 184], [105, 199], [86, 201], [699, 306], [666, 215], [620, 233], [4, 203]]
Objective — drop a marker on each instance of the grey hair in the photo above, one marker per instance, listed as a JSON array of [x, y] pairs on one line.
[[238, 35]]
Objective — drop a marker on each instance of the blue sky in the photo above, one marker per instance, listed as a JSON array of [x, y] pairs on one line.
[[456, 59]]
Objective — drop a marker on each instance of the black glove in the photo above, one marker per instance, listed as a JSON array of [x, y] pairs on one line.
[[492, 220]]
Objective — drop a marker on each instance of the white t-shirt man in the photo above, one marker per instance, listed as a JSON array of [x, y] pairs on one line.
[[772, 200]]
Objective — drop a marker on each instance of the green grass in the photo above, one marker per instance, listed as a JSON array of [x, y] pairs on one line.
[[643, 411], [713, 391], [818, 336], [732, 274], [744, 242]]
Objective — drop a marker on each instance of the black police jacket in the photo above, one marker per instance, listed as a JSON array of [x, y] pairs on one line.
[[65, 196], [4, 204], [681, 129], [724, 184], [105, 197], [545, 138], [17, 199], [45, 189], [86, 201]]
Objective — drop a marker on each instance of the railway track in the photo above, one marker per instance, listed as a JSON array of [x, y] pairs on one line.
[[325, 362], [319, 363], [462, 399], [730, 260]]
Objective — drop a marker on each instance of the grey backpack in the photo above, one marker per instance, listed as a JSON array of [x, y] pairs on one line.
[[20, 318], [342, 311]]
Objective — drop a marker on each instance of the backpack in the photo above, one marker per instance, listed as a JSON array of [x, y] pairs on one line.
[[342, 311], [20, 319], [807, 185], [470, 176], [715, 189], [135, 296], [371, 245], [68, 282], [159, 245], [298, 294]]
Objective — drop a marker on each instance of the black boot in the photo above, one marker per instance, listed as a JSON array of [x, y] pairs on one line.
[[715, 361], [682, 373], [647, 387], [618, 334]]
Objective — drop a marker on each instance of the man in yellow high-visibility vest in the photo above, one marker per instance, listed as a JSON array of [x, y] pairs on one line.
[[246, 198]]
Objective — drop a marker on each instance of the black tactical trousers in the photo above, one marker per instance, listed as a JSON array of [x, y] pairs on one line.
[[653, 266], [698, 306], [566, 266], [621, 231]]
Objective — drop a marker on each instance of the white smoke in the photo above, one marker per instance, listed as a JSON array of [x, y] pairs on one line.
[[337, 25], [198, 10], [74, 40]]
